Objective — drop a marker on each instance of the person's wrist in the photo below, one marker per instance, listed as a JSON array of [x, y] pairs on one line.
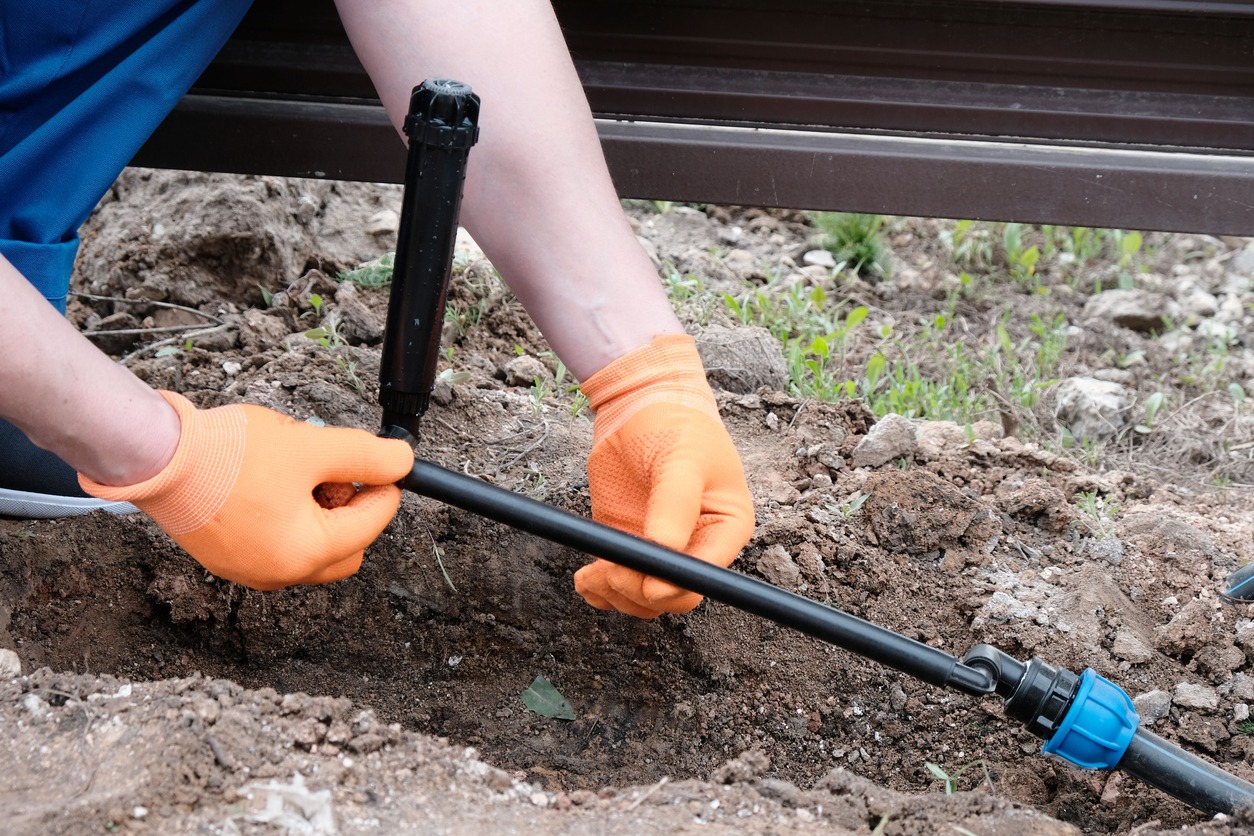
[[667, 370], [147, 451]]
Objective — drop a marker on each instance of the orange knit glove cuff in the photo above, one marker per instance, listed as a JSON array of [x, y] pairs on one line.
[[238, 494], [667, 370]]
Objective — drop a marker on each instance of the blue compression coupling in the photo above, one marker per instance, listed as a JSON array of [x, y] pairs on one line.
[[1098, 727]]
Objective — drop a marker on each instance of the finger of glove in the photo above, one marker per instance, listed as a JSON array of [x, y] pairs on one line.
[[720, 537], [352, 455], [630, 606], [717, 542], [597, 583], [351, 527], [674, 505], [339, 570], [664, 596], [626, 592]]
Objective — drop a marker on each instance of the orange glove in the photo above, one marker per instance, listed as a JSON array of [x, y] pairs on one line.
[[239, 494], [664, 468]]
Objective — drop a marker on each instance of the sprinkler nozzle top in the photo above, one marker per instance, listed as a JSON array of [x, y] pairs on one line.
[[443, 113]]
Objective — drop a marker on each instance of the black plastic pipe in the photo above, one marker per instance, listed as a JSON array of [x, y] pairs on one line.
[[1196, 782], [922, 661]]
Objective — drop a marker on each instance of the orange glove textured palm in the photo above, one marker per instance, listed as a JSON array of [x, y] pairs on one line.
[[238, 495], [663, 468]]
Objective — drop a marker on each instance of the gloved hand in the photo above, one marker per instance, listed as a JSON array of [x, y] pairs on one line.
[[239, 494], [664, 468]]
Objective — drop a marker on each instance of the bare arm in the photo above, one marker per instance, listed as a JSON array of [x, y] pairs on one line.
[[70, 398], [538, 197]]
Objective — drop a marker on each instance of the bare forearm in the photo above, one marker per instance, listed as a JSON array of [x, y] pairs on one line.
[[72, 399], [538, 197]]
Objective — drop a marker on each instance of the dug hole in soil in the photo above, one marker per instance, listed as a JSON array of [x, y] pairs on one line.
[[153, 697]]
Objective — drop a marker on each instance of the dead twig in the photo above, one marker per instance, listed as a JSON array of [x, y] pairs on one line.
[[522, 454], [143, 301], [797, 414], [160, 343], [131, 332], [650, 791]]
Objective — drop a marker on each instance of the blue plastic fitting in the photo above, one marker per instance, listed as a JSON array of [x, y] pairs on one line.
[[1098, 727]]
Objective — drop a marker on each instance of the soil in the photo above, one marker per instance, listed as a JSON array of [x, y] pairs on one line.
[[159, 699]]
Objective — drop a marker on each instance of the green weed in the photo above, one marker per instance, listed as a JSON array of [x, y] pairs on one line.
[[1153, 405], [349, 367], [376, 273], [971, 245], [855, 239], [951, 779], [851, 506], [1097, 514], [931, 371], [1021, 260]]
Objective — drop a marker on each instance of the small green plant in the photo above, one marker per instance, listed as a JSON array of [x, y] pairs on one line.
[[856, 239], [535, 481], [1087, 450], [1097, 515], [540, 389], [1153, 404], [851, 506], [951, 779], [825, 359], [327, 334], [1136, 357], [681, 287], [1072, 246], [971, 245], [167, 351], [1222, 483], [1245, 727], [349, 367], [1129, 244], [1020, 260], [453, 377], [376, 273]]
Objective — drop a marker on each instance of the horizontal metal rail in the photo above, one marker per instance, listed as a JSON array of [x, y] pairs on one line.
[[1126, 113]]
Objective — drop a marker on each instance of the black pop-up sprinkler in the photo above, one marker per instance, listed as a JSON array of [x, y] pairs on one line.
[[1084, 719], [442, 125]]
